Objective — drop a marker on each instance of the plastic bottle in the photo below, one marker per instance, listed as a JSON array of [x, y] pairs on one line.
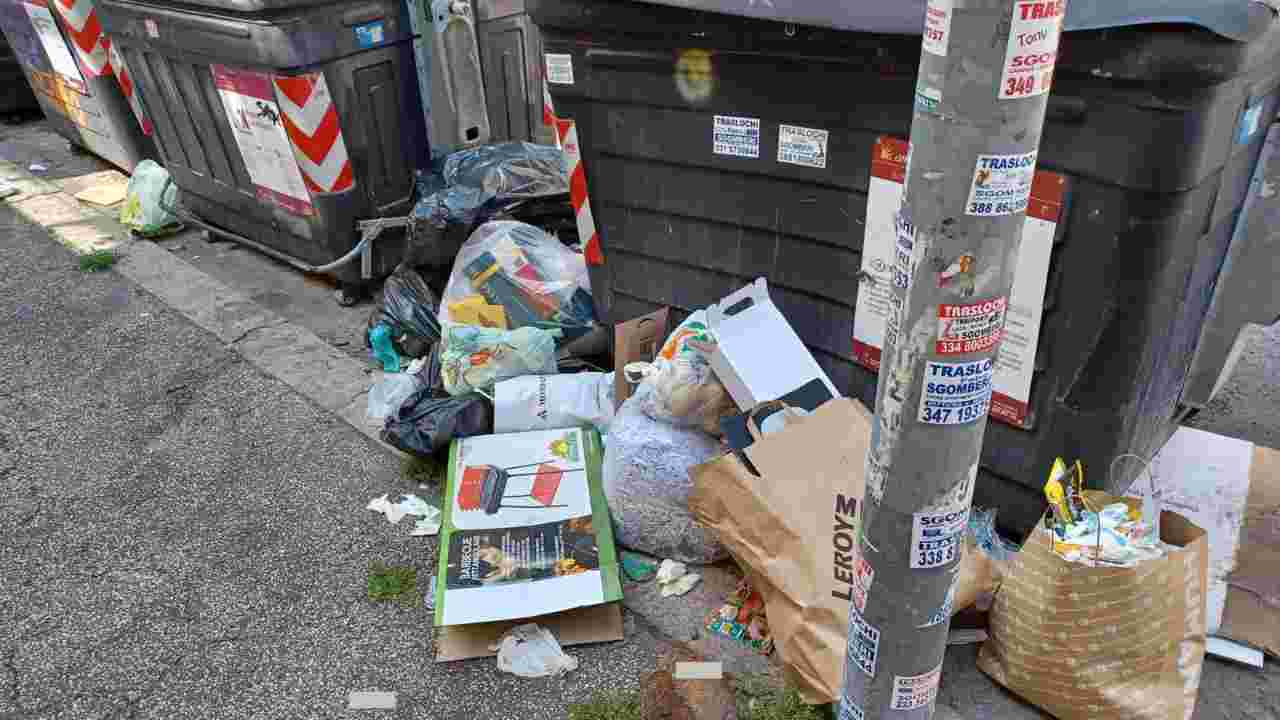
[[380, 339]]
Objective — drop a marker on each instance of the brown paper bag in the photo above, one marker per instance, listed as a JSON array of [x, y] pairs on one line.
[[1098, 642], [793, 530]]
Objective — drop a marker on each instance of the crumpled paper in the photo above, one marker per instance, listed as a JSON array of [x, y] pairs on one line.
[[674, 578], [428, 522]]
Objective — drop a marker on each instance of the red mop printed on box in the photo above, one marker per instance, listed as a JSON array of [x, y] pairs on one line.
[[312, 123], [130, 92], [259, 131], [91, 44], [567, 132]]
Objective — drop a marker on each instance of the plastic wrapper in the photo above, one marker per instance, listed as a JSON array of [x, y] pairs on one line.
[[143, 210], [425, 425], [531, 651], [511, 275], [471, 185], [474, 358], [647, 482], [547, 402], [685, 390], [387, 396], [408, 308]]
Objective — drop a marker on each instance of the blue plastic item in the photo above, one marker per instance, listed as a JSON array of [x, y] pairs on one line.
[[380, 338]]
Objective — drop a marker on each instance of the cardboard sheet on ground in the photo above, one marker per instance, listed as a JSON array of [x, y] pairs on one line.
[[1231, 488], [580, 626], [526, 528]]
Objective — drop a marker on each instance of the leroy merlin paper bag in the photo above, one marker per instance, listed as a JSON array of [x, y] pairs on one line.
[[793, 530], [1087, 642]]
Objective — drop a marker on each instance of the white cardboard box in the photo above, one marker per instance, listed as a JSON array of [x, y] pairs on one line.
[[758, 355]]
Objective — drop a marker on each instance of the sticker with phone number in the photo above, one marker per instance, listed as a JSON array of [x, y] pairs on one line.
[[936, 536], [956, 393]]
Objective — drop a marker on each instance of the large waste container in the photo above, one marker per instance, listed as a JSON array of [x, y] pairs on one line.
[[16, 97], [85, 92], [282, 122], [721, 148]]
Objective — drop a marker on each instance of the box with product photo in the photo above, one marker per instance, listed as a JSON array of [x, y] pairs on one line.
[[758, 355], [525, 533]]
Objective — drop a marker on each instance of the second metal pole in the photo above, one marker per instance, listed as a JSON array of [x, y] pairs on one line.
[[984, 78]]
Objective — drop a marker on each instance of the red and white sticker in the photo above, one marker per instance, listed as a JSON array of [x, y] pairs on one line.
[[915, 691], [972, 327], [1033, 48], [85, 32], [249, 101], [1010, 403], [311, 120], [863, 575], [937, 26]]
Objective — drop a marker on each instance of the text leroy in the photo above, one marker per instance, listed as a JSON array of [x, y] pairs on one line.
[[844, 543]]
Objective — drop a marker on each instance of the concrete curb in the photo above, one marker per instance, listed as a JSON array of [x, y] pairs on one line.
[[280, 348]]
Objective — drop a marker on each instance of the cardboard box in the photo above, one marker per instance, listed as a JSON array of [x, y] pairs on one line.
[[636, 340], [758, 355]]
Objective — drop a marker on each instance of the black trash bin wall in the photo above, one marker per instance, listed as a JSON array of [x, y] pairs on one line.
[[1157, 130], [76, 79], [15, 94], [338, 78]]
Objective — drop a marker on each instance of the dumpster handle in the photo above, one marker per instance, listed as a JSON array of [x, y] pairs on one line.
[[370, 230]]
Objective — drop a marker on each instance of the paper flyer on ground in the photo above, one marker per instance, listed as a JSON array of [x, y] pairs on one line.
[[526, 528]]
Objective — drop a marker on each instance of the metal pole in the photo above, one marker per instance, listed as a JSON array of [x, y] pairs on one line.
[[985, 71]]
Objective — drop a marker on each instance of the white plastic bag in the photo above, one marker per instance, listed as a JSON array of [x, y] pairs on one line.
[[142, 212], [386, 397], [531, 651], [548, 402], [474, 358], [510, 275], [647, 483]]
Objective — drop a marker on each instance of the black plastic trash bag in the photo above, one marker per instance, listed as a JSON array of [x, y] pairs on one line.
[[409, 308], [425, 425], [471, 185]]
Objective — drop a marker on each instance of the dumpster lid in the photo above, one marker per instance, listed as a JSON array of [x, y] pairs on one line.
[[1240, 20]]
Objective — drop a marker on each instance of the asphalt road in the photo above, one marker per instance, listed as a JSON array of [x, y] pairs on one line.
[[185, 537]]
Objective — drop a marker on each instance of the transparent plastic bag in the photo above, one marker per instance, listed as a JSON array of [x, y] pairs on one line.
[[142, 211], [531, 651], [474, 358], [647, 483], [511, 275], [472, 185], [386, 397]]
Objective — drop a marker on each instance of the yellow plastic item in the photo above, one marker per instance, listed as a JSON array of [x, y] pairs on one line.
[[475, 310], [1056, 494]]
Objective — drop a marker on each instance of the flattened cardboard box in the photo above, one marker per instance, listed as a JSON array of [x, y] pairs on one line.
[[525, 532], [1252, 610]]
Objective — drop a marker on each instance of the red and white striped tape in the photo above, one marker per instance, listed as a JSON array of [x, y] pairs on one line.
[[130, 92], [567, 134], [311, 121], [549, 112], [91, 44]]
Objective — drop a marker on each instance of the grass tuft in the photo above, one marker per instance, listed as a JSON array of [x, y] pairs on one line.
[[97, 260], [388, 582]]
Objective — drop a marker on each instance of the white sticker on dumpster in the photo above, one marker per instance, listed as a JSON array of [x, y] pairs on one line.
[[864, 643], [915, 691], [937, 26], [54, 46], [802, 146], [1033, 48], [956, 393], [256, 123], [1001, 184], [559, 69], [736, 136]]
